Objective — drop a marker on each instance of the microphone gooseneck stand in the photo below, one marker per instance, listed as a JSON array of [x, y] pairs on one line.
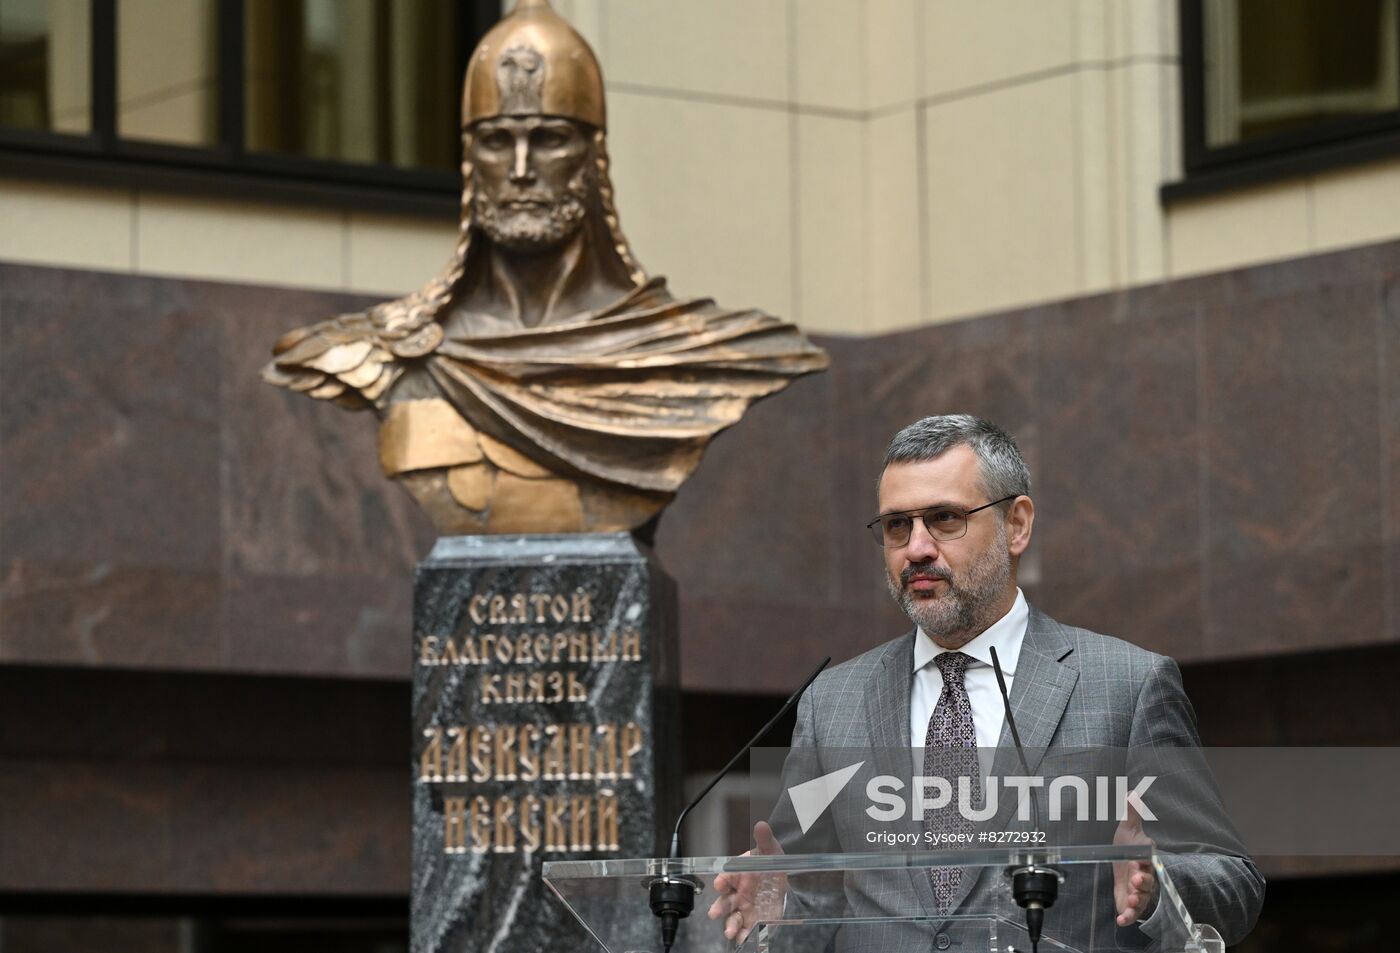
[[1033, 886], [672, 896]]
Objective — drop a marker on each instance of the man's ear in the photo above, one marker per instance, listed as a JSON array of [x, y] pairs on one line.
[[1019, 520]]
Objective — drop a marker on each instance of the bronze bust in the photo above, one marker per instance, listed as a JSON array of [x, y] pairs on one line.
[[542, 383]]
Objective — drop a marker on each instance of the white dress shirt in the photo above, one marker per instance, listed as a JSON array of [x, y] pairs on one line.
[[988, 711]]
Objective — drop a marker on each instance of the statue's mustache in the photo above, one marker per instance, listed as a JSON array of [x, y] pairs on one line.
[[530, 198]]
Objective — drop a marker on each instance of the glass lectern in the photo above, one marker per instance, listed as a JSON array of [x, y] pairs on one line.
[[876, 903]]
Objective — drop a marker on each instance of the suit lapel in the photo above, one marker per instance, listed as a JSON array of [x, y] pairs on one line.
[[1040, 692], [887, 713], [887, 700]]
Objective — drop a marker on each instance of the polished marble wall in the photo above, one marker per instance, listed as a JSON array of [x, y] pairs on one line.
[[205, 581], [1214, 464]]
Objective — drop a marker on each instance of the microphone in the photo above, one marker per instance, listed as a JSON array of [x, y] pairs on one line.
[[1034, 887], [673, 896]]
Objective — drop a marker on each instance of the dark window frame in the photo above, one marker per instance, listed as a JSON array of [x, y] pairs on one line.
[[1209, 169], [227, 168]]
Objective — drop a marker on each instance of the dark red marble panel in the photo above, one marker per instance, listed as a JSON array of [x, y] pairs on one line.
[[1292, 462], [109, 464], [74, 827], [109, 613], [765, 542], [58, 934], [109, 448], [283, 830], [347, 625], [1117, 493], [203, 829], [861, 445], [319, 546], [762, 646], [1353, 268], [304, 493], [109, 714], [1212, 292], [91, 290], [164, 508], [1310, 698], [760, 513], [1388, 318]]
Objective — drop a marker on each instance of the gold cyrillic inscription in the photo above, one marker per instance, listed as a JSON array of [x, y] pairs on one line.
[[553, 752], [531, 648], [521, 608], [608, 835], [555, 824], [520, 688], [454, 818]]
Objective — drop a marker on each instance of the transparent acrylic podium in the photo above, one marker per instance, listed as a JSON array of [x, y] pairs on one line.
[[873, 903]]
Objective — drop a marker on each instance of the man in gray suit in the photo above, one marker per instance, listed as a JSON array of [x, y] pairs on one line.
[[955, 518]]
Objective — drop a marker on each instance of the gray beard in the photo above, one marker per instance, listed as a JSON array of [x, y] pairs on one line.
[[537, 229], [968, 606]]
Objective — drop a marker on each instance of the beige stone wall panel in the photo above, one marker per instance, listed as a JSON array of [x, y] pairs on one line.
[[1356, 206], [727, 47], [892, 53], [829, 53], [66, 225], [704, 191], [832, 226], [893, 250], [239, 241], [391, 254], [1245, 227], [967, 45], [1002, 207]]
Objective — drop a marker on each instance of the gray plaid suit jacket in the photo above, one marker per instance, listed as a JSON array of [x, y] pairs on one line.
[[1072, 689]]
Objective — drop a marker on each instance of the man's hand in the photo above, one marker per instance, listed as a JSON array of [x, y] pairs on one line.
[[1134, 881], [744, 898]]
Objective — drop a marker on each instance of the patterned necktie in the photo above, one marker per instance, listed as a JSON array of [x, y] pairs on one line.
[[950, 752]]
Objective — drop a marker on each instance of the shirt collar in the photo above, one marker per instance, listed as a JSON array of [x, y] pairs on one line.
[[1007, 634]]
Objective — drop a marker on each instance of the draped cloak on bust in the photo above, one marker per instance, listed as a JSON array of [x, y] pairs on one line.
[[626, 396]]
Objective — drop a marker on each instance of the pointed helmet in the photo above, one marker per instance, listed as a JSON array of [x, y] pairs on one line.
[[533, 63]]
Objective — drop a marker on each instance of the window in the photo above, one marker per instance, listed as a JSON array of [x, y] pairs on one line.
[[168, 71], [354, 80], [1264, 79], [345, 97], [44, 70]]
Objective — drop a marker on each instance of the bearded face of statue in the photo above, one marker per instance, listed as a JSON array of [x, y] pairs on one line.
[[533, 180]]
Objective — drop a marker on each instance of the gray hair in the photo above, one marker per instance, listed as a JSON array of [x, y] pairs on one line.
[[1004, 473]]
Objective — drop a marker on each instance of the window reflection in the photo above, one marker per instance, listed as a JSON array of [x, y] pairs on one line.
[[167, 71], [45, 74], [1277, 66], [353, 80]]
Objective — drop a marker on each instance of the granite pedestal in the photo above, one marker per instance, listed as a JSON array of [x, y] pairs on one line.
[[546, 727]]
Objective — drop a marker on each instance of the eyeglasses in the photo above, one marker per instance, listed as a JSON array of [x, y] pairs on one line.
[[943, 523]]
